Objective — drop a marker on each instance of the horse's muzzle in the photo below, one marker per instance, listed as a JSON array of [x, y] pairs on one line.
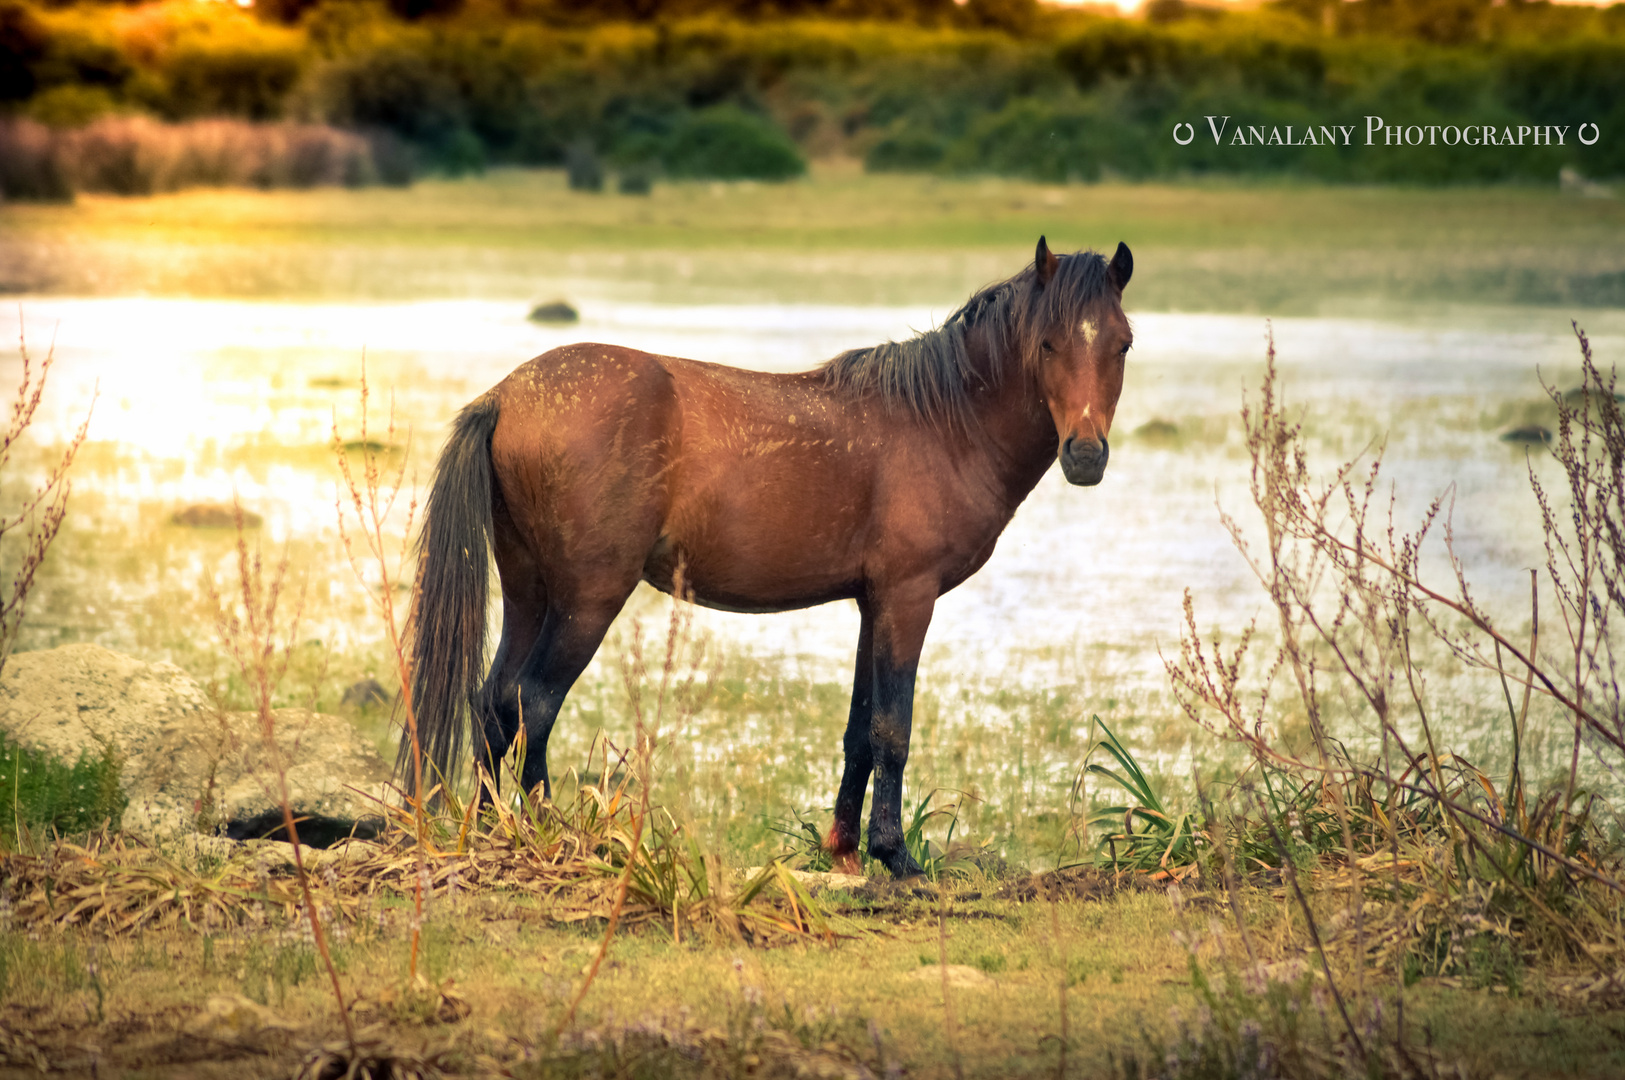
[[1084, 463]]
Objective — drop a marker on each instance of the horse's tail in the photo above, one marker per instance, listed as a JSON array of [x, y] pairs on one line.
[[446, 630]]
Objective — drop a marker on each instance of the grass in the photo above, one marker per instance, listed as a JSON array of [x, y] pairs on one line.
[[839, 236], [1487, 983], [42, 795], [668, 1004]]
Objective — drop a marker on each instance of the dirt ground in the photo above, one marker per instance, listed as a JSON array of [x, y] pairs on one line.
[[1070, 975]]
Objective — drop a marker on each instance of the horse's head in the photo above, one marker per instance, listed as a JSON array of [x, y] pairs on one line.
[[1080, 359]]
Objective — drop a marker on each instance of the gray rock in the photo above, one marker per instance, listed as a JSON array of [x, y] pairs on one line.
[[214, 516], [187, 764], [366, 692], [1528, 435], [560, 312]]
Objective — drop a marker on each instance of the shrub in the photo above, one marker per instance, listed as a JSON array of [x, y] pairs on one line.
[[1034, 139], [122, 156], [71, 105], [396, 89], [23, 42], [138, 156], [582, 168], [394, 162], [31, 166], [727, 143], [908, 150], [80, 52], [1118, 49], [245, 78]]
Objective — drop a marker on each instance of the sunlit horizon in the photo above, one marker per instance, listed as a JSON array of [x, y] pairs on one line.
[[1129, 7]]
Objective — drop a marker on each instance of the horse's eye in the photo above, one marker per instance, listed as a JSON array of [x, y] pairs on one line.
[[1046, 346]]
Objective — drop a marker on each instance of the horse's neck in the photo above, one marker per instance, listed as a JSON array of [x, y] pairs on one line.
[[1012, 423]]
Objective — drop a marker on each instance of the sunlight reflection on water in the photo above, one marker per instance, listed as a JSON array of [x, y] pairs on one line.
[[199, 399]]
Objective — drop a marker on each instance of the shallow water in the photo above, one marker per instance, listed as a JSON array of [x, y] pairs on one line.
[[202, 399]]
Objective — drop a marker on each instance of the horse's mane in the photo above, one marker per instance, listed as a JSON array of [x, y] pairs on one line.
[[932, 375]]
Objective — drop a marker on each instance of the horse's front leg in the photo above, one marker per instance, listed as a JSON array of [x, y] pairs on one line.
[[842, 842], [901, 616]]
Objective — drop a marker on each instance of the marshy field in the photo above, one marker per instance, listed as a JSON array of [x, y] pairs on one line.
[[1381, 840]]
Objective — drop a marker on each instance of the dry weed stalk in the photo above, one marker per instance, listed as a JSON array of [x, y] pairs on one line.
[[42, 510], [1351, 602], [1586, 561], [676, 694], [372, 500], [249, 628]]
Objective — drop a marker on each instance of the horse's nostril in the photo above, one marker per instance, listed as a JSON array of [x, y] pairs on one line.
[[1075, 449]]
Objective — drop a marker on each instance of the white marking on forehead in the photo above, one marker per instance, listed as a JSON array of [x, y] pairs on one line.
[[1090, 330]]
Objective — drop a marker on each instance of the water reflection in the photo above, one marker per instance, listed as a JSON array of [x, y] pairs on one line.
[[203, 399]]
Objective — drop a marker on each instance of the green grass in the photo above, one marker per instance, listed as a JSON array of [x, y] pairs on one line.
[[837, 236], [40, 795]]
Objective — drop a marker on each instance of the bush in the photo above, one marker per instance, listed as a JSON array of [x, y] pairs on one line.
[[582, 168], [248, 79], [727, 143], [906, 151], [139, 156], [121, 156], [31, 166], [71, 105], [400, 90], [135, 156], [690, 96], [42, 793], [396, 89], [23, 42], [1042, 142]]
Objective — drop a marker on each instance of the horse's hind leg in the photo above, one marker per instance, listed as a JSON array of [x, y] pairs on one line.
[[497, 717], [569, 638], [524, 609]]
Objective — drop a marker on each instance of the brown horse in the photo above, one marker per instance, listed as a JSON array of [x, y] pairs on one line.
[[884, 476]]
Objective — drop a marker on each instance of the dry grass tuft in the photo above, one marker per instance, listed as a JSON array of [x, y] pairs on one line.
[[119, 886]]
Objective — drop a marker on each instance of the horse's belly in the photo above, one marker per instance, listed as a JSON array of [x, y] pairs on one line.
[[744, 581]]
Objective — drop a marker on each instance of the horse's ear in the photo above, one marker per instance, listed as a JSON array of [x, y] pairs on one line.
[[1122, 266], [1045, 263]]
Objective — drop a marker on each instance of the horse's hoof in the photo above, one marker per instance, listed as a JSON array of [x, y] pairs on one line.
[[908, 870], [846, 864]]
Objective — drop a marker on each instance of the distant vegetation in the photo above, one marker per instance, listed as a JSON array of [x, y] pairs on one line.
[[691, 88]]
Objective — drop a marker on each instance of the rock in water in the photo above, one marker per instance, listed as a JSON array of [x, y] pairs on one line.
[[1529, 435], [558, 312], [366, 692], [1158, 431], [214, 516], [185, 763]]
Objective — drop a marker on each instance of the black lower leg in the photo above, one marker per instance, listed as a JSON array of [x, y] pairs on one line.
[[843, 834], [497, 733], [889, 731], [541, 710]]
